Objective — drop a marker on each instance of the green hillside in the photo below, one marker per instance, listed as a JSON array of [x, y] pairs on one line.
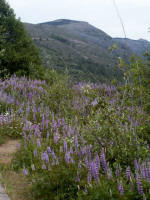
[[78, 46], [139, 47], [83, 49]]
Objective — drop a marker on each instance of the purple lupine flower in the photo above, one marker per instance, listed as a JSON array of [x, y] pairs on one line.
[[25, 171], [37, 132], [72, 161], [143, 170], [65, 146], [97, 161], [65, 128], [43, 122], [43, 166], [63, 121], [136, 123], [68, 132], [38, 143], [48, 134], [148, 171], [89, 176], [53, 163], [86, 163], [35, 153], [83, 150], [44, 157], [71, 150], [67, 157], [103, 161], [49, 150], [76, 142], [97, 164], [64, 134], [94, 171], [54, 125], [95, 102], [46, 123], [56, 136], [136, 164], [89, 152], [53, 154], [147, 176], [71, 131], [139, 184], [34, 117], [76, 119], [25, 136], [79, 165], [128, 173], [120, 188]]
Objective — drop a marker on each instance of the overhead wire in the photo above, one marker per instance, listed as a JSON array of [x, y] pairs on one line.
[[120, 18], [131, 80]]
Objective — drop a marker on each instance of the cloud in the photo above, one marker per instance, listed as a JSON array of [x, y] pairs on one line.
[[134, 2], [17, 3], [100, 13]]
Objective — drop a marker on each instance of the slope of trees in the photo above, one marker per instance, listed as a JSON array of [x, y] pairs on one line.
[[18, 53]]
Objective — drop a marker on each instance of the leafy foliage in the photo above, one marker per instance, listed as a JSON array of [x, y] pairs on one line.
[[18, 53]]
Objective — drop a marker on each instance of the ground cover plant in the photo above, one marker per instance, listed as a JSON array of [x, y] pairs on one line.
[[80, 141]]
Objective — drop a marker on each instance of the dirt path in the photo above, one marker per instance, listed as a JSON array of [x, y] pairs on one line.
[[3, 195], [6, 153], [7, 150]]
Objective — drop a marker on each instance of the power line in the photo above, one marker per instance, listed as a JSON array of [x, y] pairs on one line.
[[119, 16]]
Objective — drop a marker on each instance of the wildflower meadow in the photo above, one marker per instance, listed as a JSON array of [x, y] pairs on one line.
[[78, 141]]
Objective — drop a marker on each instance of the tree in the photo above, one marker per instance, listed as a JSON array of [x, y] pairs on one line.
[[18, 53]]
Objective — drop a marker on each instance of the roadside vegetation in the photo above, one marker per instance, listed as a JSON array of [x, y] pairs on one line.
[[80, 141], [76, 141]]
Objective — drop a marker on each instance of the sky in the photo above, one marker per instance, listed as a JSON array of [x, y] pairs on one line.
[[102, 14]]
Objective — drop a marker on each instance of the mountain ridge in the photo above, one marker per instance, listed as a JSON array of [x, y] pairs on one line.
[[82, 48]]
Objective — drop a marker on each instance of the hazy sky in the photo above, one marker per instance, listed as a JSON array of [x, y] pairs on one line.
[[100, 13]]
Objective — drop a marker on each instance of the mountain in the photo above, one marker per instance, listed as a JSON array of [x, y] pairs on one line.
[[81, 48]]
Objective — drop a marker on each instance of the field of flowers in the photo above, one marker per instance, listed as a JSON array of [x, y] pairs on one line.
[[84, 141]]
